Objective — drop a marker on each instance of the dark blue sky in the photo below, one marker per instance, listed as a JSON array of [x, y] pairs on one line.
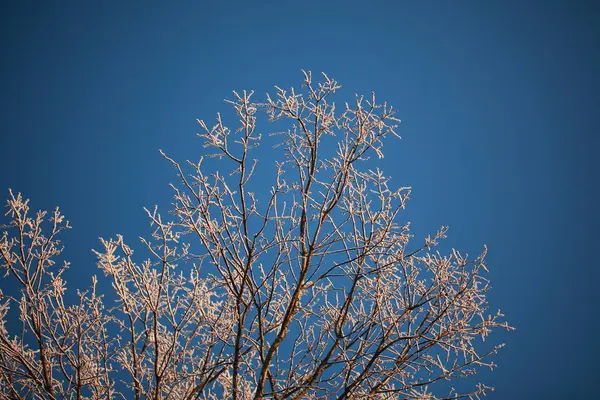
[[499, 102]]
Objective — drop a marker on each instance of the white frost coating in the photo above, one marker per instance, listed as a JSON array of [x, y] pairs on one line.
[[310, 290]]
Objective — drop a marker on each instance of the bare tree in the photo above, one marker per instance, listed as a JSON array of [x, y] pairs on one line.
[[315, 291], [59, 350]]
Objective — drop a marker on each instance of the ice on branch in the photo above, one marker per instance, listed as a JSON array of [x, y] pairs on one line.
[[311, 288]]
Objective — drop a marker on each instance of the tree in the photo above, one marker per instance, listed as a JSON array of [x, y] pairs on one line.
[[315, 291]]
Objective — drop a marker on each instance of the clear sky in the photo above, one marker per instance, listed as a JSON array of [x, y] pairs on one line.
[[499, 102]]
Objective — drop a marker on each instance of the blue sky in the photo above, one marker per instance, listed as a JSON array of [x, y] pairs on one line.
[[498, 100]]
